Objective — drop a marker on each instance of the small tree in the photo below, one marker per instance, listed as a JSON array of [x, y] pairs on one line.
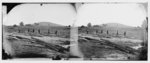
[[21, 24], [82, 26], [14, 25], [89, 25], [69, 26]]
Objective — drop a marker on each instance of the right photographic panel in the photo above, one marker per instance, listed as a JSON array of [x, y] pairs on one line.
[[110, 31]]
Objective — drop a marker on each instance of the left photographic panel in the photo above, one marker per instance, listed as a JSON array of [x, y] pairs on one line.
[[37, 30]]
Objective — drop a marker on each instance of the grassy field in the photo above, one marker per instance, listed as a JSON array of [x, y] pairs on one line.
[[95, 43], [37, 41], [133, 32], [98, 44], [27, 46], [104, 49], [39, 30]]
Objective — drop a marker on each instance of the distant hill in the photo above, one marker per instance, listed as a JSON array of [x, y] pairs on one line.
[[47, 24], [117, 25]]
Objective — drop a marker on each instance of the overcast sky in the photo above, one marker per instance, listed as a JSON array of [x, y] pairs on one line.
[[131, 14], [128, 14], [62, 14]]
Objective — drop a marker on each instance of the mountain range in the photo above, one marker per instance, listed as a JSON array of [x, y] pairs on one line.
[[118, 25], [47, 24]]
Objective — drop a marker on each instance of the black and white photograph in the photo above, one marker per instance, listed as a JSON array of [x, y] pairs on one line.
[[75, 31]]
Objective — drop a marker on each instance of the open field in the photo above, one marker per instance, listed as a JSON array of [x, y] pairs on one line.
[[106, 50], [39, 30], [27, 46], [28, 42], [98, 45]]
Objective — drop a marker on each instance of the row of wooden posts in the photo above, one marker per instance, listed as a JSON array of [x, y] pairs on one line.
[[117, 33], [39, 31], [56, 32]]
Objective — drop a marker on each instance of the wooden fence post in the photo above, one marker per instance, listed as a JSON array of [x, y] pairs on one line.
[[117, 33], [107, 32], [124, 33], [101, 31], [39, 31]]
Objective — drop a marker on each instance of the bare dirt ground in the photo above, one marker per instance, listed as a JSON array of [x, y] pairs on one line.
[[24, 46], [96, 48], [92, 46]]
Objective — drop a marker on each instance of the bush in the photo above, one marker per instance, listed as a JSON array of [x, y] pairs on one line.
[[21, 24], [14, 25]]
